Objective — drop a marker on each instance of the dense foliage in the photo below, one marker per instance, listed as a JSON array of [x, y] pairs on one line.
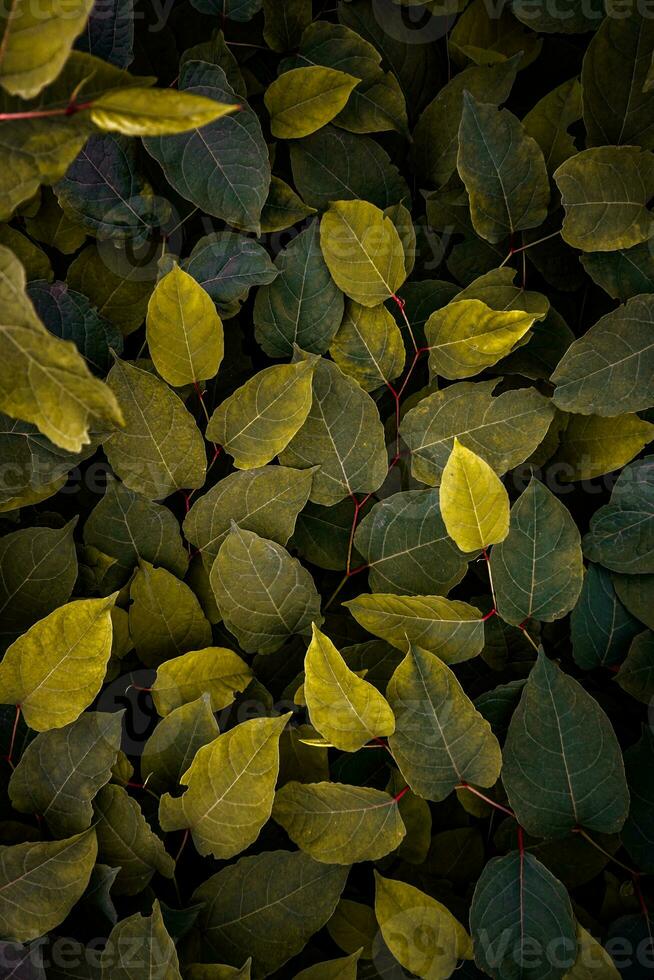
[[327, 552]]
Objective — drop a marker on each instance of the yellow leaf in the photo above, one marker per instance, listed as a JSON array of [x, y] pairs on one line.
[[154, 111], [474, 503], [302, 100]]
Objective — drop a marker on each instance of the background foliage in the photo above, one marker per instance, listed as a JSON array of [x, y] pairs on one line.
[[327, 555]]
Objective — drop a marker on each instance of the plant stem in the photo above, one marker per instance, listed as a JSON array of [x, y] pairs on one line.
[[486, 799]]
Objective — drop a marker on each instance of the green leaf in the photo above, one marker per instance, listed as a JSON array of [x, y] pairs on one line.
[[171, 748], [621, 535], [344, 708], [519, 906], [562, 762], [126, 841], [353, 927], [184, 332], [130, 528], [55, 669], [217, 671], [36, 42], [503, 430], [283, 207], [636, 675], [623, 273], [604, 191], [61, 771], [550, 119], [330, 438], [503, 170], [117, 287], [369, 346], [592, 446], [231, 785], [160, 448], [165, 616], [600, 626], [363, 251], [266, 500], [223, 168], [263, 594], [155, 112], [214, 971], [303, 100], [284, 25], [440, 738], [267, 906], [538, 568], [259, 420], [227, 265], [450, 628], [474, 503], [45, 380], [636, 594], [406, 547], [420, 932], [303, 305], [38, 569], [344, 968], [339, 824], [609, 370], [41, 882], [139, 948], [638, 831]]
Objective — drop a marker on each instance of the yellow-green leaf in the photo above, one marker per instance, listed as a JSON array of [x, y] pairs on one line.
[[369, 346], [593, 962], [343, 707], [231, 786], [422, 934], [363, 251], [353, 927], [344, 968], [302, 100], [216, 670], [139, 948], [154, 111], [56, 668], [337, 823], [183, 330], [591, 445], [474, 503], [176, 739], [440, 738], [216, 971], [259, 420]]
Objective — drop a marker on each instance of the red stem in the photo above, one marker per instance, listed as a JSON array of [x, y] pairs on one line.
[[14, 731], [70, 110], [398, 796]]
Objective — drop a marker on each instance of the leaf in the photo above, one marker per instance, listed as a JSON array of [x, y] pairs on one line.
[[422, 934], [503, 430], [636, 675], [41, 882], [620, 535], [126, 841], [344, 708], [604, 191], [231, 785], [353, 927], [215, 670], [118, 288], [229, 175], [266, 500], [267, 906], [38, 569], [503, 170], [368, 346], [263, 594], [130, 528], [259, 420], [155, 112], [593, 962], [538, 568], [283, 207], [55, 669], [36, 43], [450, 628], [600, 626], [303, 100], [550, 119], [637, 833], [562, 762], [184, 332], [474, 504], [61, 771], [339, 824], [303, 305], [440, 739], [466, 336], [284, 25], [227, 265], [518, 900], [214, 971], [592, 446], [45, 379], [363, 251], [608, 371], [165, 617], [344, 968], [109, 34], [635, 593], [406, 547], [160, 448], [139, 948], [330, 439], [623, 273]]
